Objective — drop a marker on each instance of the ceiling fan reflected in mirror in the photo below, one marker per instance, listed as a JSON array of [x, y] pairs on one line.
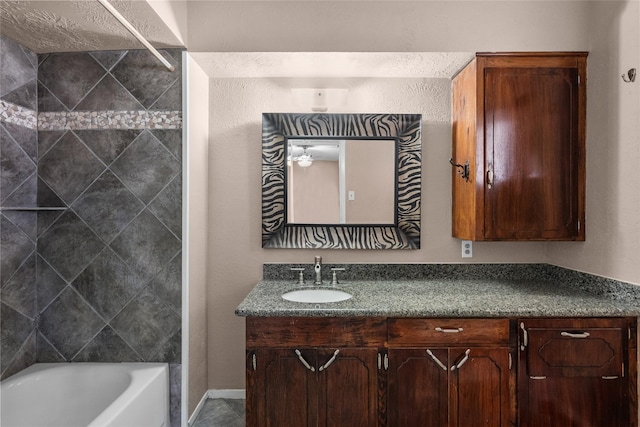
[[306, 153]]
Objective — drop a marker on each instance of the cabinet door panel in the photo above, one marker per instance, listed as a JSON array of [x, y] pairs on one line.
[[418, 388], [531, 118], [282, 389], [480, 388], [348, 388], [574, 402]]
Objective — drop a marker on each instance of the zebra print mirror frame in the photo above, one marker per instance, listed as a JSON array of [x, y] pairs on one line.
[[406, 129]]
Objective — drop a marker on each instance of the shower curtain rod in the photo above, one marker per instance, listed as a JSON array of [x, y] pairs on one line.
[[135, 33]]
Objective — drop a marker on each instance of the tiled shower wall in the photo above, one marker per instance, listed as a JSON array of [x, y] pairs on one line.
[[104, 281]]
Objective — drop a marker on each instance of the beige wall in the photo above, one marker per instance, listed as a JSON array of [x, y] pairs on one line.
[[612, 246], [235, 254], [196, 218], [314, 193], [370, 174]]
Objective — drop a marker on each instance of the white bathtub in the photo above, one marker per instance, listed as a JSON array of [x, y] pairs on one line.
[[86, 395]]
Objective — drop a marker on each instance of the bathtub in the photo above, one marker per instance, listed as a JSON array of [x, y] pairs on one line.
[[86, 395]]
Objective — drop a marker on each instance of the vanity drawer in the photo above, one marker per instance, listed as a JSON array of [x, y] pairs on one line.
[[315, 332], [448, 332], [576, 347]]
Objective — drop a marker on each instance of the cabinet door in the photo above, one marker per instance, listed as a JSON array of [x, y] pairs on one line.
[[348, 381], [280, 389], [531, 138], [574, 402], [479, 387], [417, 388], [575, 373]]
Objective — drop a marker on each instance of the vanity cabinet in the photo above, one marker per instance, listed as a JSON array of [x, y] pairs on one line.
[[441, 372], [450, 372], [577, 373], [519, 125], [313, 371]]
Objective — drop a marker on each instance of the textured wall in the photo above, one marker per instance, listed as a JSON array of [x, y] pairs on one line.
[[235, 252], [108, 232], [612, 246]]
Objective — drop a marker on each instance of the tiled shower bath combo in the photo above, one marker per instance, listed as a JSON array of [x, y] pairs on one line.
[[91, 199]]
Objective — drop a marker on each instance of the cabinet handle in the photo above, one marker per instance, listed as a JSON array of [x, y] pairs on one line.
[[449, 331], [254, 362], [463, 361], [304, 362], [575, 334], [525, 337], [490, 178], [610, 377], [329, 362], [435, 359]]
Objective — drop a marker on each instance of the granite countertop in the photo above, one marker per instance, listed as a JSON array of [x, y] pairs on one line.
[[448, 297]]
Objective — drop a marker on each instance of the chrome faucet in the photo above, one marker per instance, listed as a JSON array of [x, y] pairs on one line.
[[317, 268]]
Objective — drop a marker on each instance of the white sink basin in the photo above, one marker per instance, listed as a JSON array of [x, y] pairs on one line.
[[316, 295]]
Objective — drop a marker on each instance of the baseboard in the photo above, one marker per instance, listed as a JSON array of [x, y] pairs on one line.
[[227, 394], [216, 394]]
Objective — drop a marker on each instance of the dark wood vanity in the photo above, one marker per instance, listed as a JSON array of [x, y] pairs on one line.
[[462, 372]]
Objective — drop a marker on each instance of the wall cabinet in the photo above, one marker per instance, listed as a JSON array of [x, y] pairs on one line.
[[457, 373], [577, 373], [519, 124]]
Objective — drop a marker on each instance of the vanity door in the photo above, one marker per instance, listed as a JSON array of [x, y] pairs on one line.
[[577, 372], [453, 372], [456, 387]]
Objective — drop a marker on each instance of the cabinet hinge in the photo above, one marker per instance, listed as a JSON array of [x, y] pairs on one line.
[[525, 337]]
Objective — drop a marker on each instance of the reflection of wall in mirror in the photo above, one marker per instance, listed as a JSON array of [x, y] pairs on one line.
[[314, 193], [370, 174]]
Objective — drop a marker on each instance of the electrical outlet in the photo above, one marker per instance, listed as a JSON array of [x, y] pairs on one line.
[[467, 249]]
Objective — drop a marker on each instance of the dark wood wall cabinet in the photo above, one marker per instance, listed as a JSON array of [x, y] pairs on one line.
[[430, 372], [519, 125]]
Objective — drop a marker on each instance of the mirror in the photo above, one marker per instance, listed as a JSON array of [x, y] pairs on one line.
[[341, 181], [383, 147]]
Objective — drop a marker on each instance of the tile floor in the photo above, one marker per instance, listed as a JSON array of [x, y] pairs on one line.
[[221, 413]]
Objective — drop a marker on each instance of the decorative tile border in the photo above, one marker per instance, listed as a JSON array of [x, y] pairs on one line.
[[79, 120], [17, 115]]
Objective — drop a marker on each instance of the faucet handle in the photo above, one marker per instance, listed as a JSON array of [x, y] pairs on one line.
[[334, 277], [300, 275]]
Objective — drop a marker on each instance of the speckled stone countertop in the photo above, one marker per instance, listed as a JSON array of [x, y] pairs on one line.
[[445, 291]]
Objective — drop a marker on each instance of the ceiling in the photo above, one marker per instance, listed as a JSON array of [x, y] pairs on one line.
[[85, 25], [81, 25]]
